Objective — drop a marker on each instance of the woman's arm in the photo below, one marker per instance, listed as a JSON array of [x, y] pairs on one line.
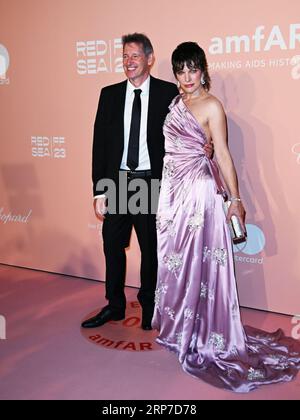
[[218, 130]]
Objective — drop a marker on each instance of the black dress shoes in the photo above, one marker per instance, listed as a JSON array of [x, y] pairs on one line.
[[105, 315], [146, 326], [146, 319]]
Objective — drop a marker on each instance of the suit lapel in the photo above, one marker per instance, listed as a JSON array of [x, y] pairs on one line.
[[153, 101], [119, 106]]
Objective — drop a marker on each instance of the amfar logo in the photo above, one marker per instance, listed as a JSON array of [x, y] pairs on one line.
[[4, 63], [99, 56], [259, 41], [125, 334], [52, 147], [254, 245]]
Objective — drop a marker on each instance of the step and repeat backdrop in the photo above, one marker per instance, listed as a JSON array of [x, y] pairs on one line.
[[56, 55]]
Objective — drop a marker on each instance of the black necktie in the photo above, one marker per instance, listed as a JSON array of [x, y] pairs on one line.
[[134, 135]]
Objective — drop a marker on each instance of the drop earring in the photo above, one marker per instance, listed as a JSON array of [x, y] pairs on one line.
[[202, 79]]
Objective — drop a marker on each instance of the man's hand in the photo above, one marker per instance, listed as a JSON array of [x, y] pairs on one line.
[[209, 150], [100, 207]]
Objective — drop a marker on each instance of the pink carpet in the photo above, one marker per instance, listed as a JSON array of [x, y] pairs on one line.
[[46, 355]]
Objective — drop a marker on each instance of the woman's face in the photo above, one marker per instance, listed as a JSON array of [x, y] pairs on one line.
[[189, 79]]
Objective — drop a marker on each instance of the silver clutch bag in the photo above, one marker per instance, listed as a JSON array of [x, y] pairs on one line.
[[235, 227]]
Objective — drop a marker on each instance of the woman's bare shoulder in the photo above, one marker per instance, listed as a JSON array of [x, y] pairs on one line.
[[214, 107], [214, 103]]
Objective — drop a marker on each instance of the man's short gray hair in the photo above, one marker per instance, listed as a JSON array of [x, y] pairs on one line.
[[138, 38]]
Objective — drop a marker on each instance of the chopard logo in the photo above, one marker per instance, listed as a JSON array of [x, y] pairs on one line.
[[14, 218]]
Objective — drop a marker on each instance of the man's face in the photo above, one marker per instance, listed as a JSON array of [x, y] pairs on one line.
[[136, 64]]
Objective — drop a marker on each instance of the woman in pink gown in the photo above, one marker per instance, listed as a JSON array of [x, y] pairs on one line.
[[196, 304]]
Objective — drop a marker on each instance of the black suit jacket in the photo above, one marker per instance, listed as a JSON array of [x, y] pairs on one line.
[[108, 143]]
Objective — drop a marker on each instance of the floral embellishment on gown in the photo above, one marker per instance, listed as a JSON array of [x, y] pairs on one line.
[[234, 351], [170, 228], [178, 143], [173, 261], [217, 341], [178, 338], [279, 362], [254, 348], [219, 255], [170, 312], [158, 222], [196, 221], [160, 290], [169, 169], [203, 290], [188, 313], [255, 374]]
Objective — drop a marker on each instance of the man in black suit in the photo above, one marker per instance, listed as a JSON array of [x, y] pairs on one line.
[[130, 110]]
